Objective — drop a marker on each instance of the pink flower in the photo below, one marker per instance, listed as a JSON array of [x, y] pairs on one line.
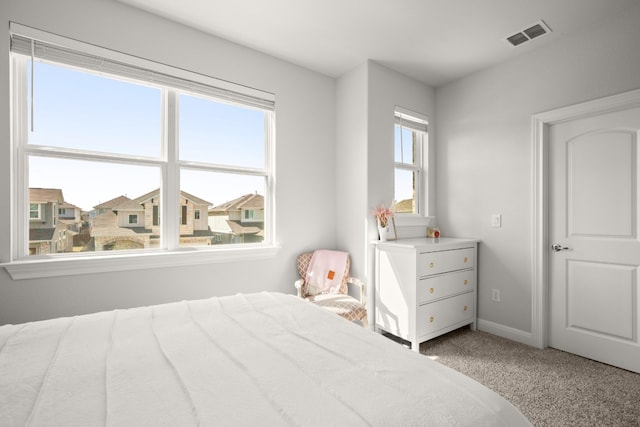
[[383, 214]]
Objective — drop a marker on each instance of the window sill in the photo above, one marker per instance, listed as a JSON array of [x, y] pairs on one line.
[[55, 266], [413, 220]]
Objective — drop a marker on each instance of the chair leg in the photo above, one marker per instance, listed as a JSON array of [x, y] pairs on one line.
[[364, 322]]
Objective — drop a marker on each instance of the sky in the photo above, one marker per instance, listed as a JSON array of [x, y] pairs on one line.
[[79, 110], [403, 154]]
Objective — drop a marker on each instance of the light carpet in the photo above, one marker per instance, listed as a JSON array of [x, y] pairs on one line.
[[550, 387]]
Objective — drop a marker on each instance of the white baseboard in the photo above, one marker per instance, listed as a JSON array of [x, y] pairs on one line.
[[506, 332]]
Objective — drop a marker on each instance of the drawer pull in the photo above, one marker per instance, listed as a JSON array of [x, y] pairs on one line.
[[431, 265], [465, 308], [431, 319], [466, 259], [466, 282], [431, 290]]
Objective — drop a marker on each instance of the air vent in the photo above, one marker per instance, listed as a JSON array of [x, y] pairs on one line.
[[517, 38], [536, 30]]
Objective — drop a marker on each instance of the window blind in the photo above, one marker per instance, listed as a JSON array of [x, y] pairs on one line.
[[410, 122], [410, 119], [49, 47]]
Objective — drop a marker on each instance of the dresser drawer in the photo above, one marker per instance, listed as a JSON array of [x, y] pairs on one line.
[[441, 262], [437, 287], [444, 313]]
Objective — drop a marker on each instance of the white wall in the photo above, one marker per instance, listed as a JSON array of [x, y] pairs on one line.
[[351, 166], [366, 100], [484, 154], [305, 154]]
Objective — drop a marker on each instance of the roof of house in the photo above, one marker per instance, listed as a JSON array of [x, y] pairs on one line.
[[405, 205], [41, 234], [248, 201], [156, 193], [112, 203], [46, 195], [201, 233], [238, 229], [68, 205], [128, 205]]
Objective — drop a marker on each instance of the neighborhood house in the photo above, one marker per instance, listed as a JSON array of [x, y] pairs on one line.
[[124, 224]]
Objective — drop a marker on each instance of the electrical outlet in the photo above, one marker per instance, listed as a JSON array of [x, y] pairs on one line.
[[495, 295]]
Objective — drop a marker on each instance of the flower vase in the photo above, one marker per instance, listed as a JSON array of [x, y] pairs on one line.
[[383, 232]]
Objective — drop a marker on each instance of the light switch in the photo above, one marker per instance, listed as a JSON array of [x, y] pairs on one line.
[[496, 220]]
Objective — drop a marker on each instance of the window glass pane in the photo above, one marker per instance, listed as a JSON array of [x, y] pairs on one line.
[[404, 145], [218, 133], [405, 191], [108, 206], [82, 110], [227, 198]]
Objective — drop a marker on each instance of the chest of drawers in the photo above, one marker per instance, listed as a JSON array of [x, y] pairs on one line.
[[425, 287]]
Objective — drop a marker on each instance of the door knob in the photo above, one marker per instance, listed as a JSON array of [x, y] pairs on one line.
[[558, 247]]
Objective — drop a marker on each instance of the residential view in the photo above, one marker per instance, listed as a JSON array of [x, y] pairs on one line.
[[56, 226]]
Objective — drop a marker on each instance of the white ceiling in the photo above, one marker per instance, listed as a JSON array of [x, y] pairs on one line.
[[433, 41]]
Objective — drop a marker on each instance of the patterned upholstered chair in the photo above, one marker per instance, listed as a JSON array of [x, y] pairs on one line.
[[339, 301]]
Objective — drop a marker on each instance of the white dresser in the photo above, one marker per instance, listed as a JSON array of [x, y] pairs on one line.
[[425, 287]]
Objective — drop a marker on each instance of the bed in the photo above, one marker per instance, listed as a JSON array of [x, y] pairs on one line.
[[263, 359]]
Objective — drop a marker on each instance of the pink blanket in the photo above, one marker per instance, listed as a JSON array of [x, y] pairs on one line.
[[326, 271]]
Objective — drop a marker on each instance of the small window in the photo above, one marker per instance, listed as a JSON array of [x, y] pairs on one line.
[[248, 214], [196, 214], [35, 211], [133, 219], [156, 215], [183, 215], [411, 148]]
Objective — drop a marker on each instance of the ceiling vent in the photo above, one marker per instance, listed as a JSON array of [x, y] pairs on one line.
[[536, 30]]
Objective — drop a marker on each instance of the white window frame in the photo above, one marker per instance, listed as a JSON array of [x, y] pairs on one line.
[[133, 216], [23, 265], [419, 123]]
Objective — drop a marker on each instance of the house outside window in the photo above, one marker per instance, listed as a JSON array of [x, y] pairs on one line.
[[411, 150], [230, 221], [222, 135]]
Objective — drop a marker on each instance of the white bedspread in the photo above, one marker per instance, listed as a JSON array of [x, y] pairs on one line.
[[248, 360]]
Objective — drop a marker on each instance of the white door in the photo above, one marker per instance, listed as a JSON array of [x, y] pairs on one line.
[[593, 221]]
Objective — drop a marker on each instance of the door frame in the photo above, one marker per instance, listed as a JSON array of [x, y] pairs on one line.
[[540, 124]]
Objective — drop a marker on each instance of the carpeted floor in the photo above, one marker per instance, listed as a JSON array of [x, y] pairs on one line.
[[550, 387]]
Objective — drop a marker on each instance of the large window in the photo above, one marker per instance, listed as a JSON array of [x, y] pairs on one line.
[[132, 142], [410, 141]]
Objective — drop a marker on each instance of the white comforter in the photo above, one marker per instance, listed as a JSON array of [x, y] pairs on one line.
[[248, 360]]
